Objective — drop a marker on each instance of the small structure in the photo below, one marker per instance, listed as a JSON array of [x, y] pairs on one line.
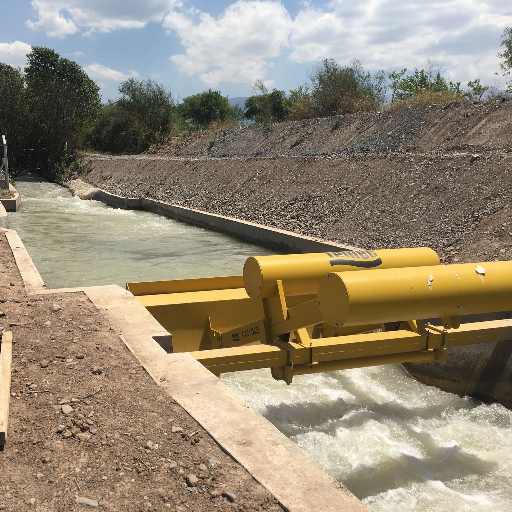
[[5, 384], [4, 168]]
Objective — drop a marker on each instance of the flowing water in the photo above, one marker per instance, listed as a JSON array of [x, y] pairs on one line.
[[397, 444]]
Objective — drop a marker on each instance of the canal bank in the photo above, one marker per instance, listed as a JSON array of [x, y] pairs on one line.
[[399, 444], [262, 453]]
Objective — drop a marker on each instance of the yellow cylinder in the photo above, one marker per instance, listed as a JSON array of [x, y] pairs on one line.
[[391, 295], [301, 272]]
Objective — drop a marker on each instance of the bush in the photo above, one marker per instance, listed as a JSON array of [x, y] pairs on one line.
[[421, 82], [141, 117], [267, 106], [201, 110], [339, 89]]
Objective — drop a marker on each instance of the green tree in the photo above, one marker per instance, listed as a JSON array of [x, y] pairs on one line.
[[505, 54], [476, 90], [13, 112], [267, 106], [406, 85], [117, 131], [205, 108], [150, 104], [339, 89], [63, 102]]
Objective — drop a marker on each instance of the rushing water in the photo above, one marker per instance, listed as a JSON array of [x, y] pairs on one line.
[[77, 243], [398, 445]]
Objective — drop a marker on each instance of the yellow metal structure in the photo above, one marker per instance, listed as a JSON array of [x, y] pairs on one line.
[[306, 313]]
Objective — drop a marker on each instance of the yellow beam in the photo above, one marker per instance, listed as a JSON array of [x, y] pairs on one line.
[[354, 351]]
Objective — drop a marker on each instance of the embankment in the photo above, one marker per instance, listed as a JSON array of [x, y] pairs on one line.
[[439, 177]]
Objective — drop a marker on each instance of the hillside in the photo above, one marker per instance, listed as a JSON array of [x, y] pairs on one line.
[[455, 127]]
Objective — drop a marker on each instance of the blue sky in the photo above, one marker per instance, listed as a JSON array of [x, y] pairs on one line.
[[191, 45]]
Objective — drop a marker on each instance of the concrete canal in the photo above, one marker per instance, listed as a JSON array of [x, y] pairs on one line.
[[397, 444]]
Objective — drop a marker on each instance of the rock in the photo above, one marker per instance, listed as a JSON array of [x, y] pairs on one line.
[[203, 468], [66, 409], [151, 446], [48, 323], [176, 429], [83, 436], [87, 502], [191, 480], [60, 429], [56, 308], [67, 434], [2, 314], [44, 363], [231, 497], [97, 370]]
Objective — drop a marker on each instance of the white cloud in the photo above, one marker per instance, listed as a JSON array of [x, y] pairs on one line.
[[459, 36], [60, 18], [236, 47], [14, 53], [101, 72]]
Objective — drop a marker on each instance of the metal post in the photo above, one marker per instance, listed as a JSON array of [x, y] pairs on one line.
[[4, 168]]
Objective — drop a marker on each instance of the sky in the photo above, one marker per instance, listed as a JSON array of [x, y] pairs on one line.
[[193, 45]]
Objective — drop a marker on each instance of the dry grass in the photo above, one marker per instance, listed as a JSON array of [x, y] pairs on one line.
[[427, 98]]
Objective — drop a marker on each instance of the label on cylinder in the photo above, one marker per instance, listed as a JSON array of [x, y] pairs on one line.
[[355, 258]]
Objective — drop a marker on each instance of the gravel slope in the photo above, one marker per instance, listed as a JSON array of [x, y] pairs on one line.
[[457, 204]]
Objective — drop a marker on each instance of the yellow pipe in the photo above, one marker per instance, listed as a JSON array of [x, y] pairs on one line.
[[391, 295], [301, 272]]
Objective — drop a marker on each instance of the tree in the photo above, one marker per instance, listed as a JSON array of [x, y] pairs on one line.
[[476, 90], [202, 109], [150, 104], [408, 85], [63, 102], [117, 131], [267, 106], [339, 89], [13, 111], [506, 53]]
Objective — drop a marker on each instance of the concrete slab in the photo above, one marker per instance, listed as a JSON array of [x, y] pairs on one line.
[[297, 482], [14, 203]]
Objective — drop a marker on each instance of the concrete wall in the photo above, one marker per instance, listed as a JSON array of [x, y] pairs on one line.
[[247, 231]]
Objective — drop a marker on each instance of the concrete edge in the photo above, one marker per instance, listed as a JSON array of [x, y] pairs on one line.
[[30, 275], [245, 230], [13, 204], [274, 461]]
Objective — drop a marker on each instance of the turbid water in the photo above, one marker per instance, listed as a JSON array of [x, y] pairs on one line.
[[397, 444]]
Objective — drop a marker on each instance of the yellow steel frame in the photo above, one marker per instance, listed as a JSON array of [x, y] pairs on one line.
[[353, 351]]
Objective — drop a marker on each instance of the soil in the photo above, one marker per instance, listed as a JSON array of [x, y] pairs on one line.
[[90, 429]]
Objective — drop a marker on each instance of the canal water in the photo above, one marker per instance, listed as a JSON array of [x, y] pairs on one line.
[[398, 445]]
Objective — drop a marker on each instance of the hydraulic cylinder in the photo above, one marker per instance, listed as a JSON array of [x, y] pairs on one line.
[[301, 273], [419, 293]]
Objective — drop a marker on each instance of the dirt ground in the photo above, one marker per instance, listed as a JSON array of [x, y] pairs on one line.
[[88, 427]]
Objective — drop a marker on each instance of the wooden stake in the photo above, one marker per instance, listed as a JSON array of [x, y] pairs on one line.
[[5, 384]]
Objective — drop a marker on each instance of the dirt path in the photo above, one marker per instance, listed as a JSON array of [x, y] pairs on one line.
[[90, 429]]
